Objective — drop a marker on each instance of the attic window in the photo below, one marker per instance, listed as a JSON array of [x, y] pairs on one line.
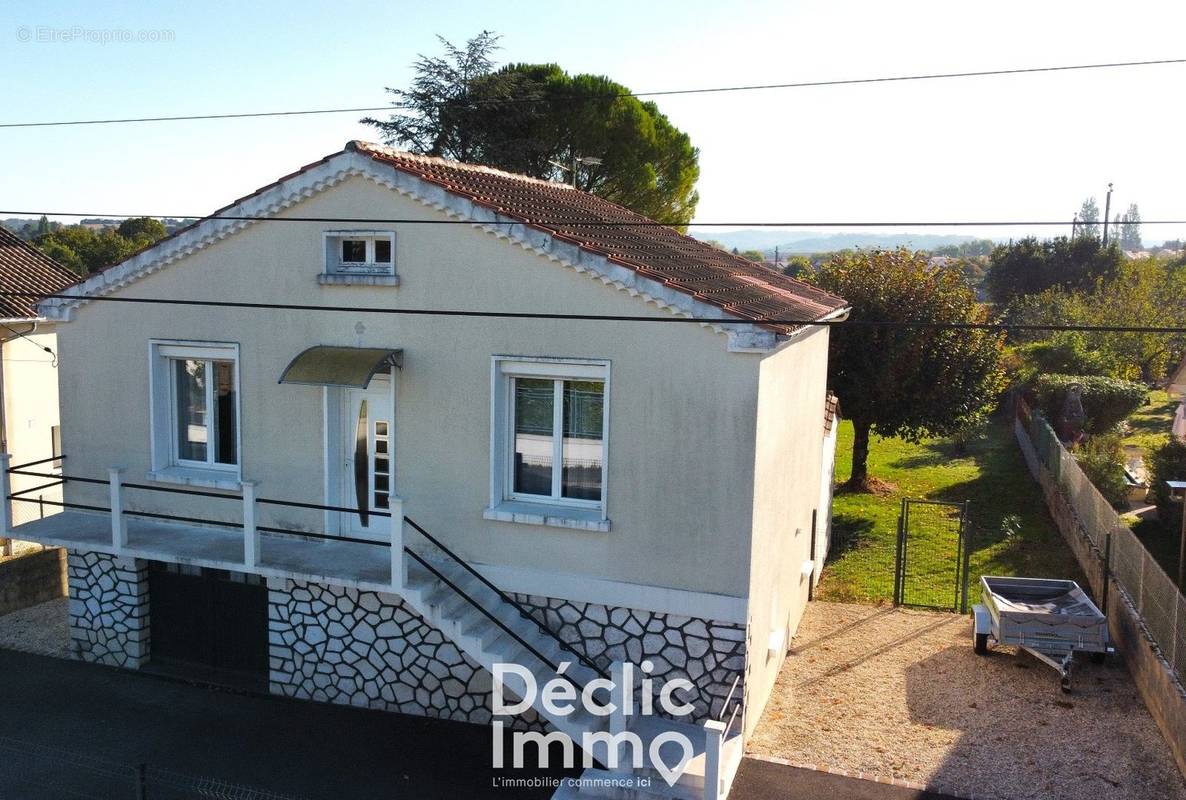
[[359, 257]]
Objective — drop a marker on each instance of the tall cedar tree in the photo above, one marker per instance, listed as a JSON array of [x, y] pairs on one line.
[[527, 118], [907, 381]]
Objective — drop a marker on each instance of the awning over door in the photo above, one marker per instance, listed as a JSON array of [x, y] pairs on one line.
[[340, 366]]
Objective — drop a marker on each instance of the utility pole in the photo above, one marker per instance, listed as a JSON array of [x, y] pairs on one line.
[[1107, 213], [776, 256], [1074, 223]]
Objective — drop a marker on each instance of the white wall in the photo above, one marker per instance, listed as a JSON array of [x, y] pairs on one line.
[[682, 410], [30, 410], [787, 477]]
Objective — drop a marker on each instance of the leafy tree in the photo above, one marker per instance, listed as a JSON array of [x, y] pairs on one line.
[[1168, 463], [84, 250], [907, 381], [1106, 401], [754, 255], [530, 118], [797, 266], [1030, 266], [143, 230], [1089, 215], [1130, 229]]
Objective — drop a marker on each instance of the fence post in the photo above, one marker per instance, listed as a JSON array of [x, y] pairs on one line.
[[966, 541], [5, 503], [714, 737], [119, 524], [250, 532], [617, 717], [399, 564], [1107, 570]]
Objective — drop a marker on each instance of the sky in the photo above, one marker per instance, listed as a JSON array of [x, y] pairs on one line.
[[991, 148]]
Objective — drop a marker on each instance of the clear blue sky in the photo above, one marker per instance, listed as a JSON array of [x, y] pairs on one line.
[[1008, 147]]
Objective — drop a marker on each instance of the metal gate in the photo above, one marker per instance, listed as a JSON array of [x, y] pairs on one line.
[[931, 567]]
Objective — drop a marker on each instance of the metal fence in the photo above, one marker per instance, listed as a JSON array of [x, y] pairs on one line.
[[41, 772], [1154, 595]]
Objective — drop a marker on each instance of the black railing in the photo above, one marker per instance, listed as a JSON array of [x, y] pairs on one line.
[[523, 612]]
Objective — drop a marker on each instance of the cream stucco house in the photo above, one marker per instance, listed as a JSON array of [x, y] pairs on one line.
[[28, 369], [392, 345]]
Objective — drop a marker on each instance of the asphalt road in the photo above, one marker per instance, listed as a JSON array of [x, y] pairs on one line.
[[71, 730]]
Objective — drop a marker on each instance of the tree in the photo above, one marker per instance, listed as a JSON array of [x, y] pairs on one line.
[[907, 381], [537, 120], [84, 250], [1130, 229], [1030, 266], [797, 265], [1089, 215], [754, 255], [143, 230]]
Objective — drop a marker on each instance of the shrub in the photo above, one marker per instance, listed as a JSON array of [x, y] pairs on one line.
[[1106, 401], [1102, 460], [1065, 353], [1167, 463]]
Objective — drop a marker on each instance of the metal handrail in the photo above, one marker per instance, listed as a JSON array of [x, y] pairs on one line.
[[729, 697], [523, 612], [732, 719], [28, 464], [49, 485], [485, 611]]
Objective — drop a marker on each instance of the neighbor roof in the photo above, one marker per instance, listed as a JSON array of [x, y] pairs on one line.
[[737, 285], [24, 268]]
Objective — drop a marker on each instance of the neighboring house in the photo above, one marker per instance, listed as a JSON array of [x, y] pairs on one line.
[[28, 368], [644, 489]]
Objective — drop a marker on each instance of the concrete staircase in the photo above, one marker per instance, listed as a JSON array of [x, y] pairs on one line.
[[463, 611]]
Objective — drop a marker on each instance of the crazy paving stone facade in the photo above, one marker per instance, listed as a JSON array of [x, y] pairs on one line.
[[709, 654], [360, 648], [108, 609]]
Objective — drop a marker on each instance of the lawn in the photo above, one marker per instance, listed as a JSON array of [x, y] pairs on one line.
[[1011, 530], [1150, 425]]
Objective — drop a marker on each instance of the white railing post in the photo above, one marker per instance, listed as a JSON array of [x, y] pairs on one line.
[[119, 524], [5, 503], [250, 532], [617, 718], [714, 739], [399, 564]]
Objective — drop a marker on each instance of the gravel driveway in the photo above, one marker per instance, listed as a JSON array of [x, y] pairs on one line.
[[899, 693]]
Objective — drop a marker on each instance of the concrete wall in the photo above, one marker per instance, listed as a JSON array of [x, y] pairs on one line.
[[787, 478], [682, 410], [31, 579], [30, 410]]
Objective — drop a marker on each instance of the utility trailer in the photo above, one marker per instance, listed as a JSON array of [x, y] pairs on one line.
[[1052, 619]]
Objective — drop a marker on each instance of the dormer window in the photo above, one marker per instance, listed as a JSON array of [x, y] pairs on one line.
[[359, 257]]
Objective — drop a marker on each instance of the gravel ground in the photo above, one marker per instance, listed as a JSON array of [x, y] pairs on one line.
[[38, 629], [900, 693]]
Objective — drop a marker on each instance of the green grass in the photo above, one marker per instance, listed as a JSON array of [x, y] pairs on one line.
[[1150, 425], [1012, 532]]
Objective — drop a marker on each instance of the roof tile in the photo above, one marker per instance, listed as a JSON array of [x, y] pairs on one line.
[[24, 268]]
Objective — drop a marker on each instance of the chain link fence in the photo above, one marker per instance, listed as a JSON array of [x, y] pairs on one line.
[[41, 772], [1156, 598]]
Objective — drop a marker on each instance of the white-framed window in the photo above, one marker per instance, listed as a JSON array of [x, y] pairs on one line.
[[360, 253], [550, 425], [196, 429]]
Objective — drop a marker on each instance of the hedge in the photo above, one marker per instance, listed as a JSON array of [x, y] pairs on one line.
[[1106, 401]]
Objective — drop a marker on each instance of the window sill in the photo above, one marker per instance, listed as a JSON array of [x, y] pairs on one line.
[[580, 519], [190, 476], [343, 279]]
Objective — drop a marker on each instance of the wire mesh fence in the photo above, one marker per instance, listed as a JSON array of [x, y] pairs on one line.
[[1157, 599], [931, 554], [41, 772]]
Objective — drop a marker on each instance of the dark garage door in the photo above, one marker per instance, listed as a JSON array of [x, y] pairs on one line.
[[208, 623]]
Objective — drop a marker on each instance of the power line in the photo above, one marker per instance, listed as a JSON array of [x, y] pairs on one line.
[[583, 223], [539, 315], [613, 96]]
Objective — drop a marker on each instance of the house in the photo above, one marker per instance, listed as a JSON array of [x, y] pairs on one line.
[[584, 490], [28, 368]]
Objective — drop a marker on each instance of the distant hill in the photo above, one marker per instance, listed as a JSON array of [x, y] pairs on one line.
[[816, 242]]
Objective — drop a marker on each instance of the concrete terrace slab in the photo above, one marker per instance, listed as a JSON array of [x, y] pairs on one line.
[[364, 566]]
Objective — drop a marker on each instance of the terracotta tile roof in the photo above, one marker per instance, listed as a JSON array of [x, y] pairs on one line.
[[831, 411], [739, 286], [24, 268]]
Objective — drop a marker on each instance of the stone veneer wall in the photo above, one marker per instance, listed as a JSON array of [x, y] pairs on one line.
[[710, 654], [369, 649], [108, 609]]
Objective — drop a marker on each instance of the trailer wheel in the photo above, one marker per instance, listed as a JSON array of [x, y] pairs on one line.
[[1065, 684], [981, 645]]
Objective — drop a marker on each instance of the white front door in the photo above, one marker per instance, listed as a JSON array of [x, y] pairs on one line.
[[367, 445]]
